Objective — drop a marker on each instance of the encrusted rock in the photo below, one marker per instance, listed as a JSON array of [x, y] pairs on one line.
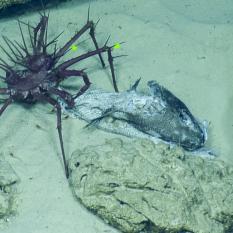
[[7, 3], [142, 187], [8, 180]]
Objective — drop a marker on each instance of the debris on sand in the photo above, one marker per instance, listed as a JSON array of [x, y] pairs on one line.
[[8, 181]]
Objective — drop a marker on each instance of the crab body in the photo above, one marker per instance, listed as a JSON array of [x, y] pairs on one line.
[[25, 85]]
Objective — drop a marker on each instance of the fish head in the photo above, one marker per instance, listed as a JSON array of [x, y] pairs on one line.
[[192, 135], [179, 125]]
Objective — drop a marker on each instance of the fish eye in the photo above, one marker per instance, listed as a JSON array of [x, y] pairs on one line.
[[185, 117]]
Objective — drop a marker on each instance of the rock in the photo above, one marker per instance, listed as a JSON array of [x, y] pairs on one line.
[[7, 3], [139, 186], [8, 180]]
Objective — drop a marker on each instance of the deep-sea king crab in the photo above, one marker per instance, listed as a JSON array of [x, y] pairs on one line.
[[39, 74]]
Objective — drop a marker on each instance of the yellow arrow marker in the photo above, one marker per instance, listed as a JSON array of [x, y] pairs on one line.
[[117, 46], [74, 47]]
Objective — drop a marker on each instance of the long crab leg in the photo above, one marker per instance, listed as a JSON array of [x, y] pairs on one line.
[[89, 25], [59, 128], [81, 73], [64, 95], [37, 43], [105, 48], [110, 60], [5, 105], [42, 26], [72, 61]]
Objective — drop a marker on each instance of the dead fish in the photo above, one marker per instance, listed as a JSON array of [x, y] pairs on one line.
[[157, 114]]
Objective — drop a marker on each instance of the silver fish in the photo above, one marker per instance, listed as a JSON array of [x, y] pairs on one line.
[[154, 115]]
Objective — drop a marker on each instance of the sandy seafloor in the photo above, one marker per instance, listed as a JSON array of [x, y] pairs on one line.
[[187, 46]]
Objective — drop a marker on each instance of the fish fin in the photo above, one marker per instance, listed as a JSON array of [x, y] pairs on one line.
[[135, 85], [92, 123], [95, 122], [204, 126], [155, 88]]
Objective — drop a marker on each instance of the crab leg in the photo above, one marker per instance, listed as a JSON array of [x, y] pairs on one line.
[[110, 60], [87, 83], [89, 25], [42, 26], [59, 128], [105, 48], [5, 105], [64, 95], [72, 61]]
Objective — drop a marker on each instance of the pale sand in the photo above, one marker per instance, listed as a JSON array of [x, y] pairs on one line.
[[187, 48]]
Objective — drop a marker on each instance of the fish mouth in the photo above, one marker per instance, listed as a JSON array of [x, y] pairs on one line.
[[204, 128], [196, 142]]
